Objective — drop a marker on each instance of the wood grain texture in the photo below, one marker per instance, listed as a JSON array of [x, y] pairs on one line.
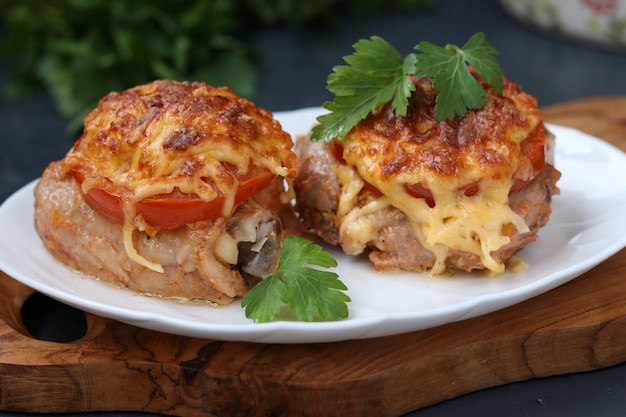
[[577, 327]]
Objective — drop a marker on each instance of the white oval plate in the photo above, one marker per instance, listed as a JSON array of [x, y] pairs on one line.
[[588, 225]]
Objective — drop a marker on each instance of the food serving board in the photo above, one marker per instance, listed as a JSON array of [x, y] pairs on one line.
[[576, 327]]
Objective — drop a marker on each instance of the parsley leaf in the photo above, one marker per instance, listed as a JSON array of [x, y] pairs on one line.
[[377, 73], [306, 292], [457, 89]]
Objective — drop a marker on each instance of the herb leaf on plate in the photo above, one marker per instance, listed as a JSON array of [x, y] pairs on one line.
[[300, 286]]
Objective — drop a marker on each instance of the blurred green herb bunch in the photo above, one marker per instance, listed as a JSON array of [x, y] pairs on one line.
[[79, 50]]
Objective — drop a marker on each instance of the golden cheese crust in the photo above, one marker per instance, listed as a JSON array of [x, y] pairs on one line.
[[165, 134], [482, 144]]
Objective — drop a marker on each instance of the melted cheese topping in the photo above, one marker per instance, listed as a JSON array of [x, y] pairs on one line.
[[481, 150], [166, 135]]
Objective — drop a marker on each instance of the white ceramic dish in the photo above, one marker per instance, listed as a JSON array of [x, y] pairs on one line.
[[588, 225]]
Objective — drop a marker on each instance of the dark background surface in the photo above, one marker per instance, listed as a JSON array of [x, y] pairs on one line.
[[295, 64]]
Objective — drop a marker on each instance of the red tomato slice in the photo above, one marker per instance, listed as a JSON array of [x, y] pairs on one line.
[[419, 191], [176, 208], [336, 149], [534, 148]]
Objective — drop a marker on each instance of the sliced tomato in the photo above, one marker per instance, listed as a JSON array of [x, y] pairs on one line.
[[420, 191], [336, 149], [176, 208], [534, 148]]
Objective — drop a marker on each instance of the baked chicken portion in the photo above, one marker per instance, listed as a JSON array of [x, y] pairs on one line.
[[419, 195], [174, 189]]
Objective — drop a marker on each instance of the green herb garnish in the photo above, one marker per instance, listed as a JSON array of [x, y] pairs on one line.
[[298, 288], [377, 73]]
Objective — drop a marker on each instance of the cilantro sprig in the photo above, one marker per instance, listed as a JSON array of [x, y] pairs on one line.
[[300, 287], [377, 73]]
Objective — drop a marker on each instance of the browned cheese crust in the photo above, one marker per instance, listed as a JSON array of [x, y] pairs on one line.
[[451, 150], [154, 137]]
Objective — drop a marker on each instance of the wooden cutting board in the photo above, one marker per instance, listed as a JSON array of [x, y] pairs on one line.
[[577, 327]]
